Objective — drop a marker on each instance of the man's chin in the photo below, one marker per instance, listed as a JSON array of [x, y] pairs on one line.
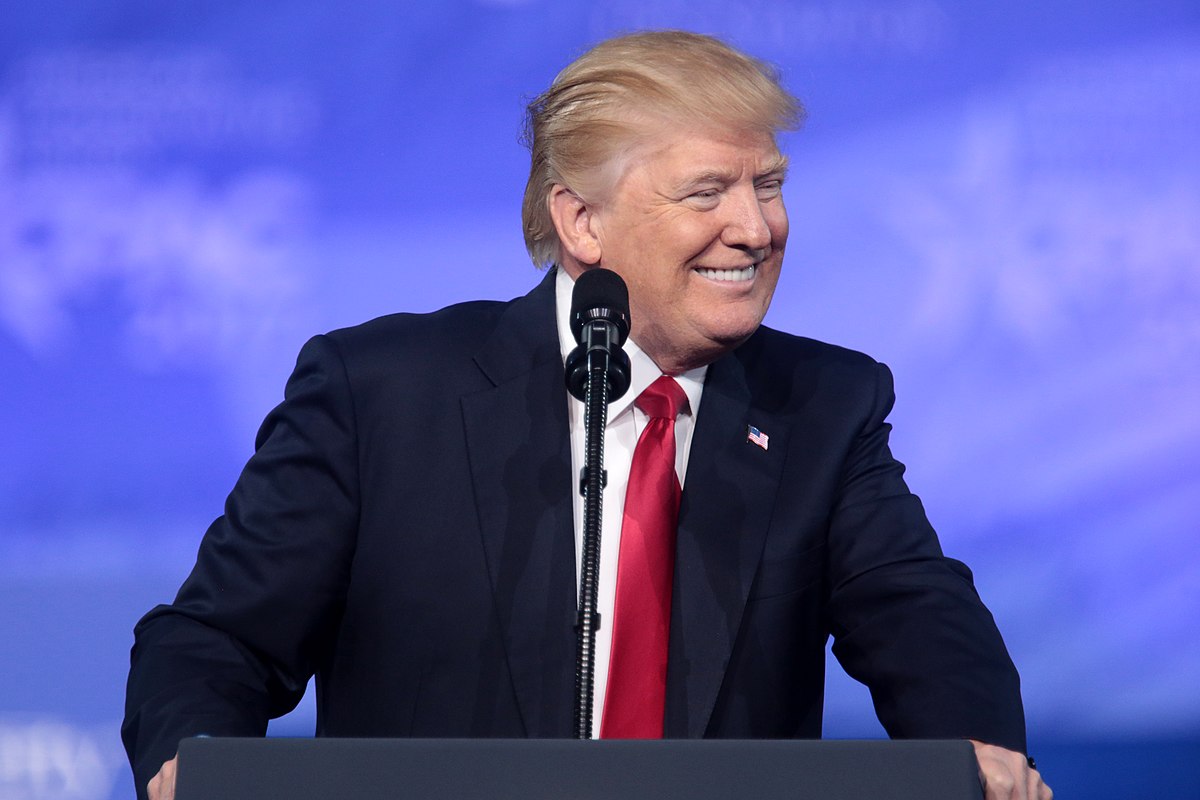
[[731, 342], [733, 333], [720, 344]]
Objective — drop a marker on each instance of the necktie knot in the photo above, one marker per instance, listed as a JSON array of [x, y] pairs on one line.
[[664, 398]]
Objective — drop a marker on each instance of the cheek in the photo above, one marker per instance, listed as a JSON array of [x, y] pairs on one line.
[[777, 223]]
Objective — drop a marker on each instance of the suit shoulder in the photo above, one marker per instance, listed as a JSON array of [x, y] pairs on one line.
[[784, 371], [772, 351], [405, 346], [457, 327]]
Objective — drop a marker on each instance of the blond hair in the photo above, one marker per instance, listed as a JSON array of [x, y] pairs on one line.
[[598, 107]]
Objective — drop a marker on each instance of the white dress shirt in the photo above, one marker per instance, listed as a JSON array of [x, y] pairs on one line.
[[625, 424]]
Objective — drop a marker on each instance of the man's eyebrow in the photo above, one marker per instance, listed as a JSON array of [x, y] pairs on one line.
[[707, 176], [777, 167]]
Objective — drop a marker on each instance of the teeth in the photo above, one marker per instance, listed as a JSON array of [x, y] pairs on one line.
[[731, 275]]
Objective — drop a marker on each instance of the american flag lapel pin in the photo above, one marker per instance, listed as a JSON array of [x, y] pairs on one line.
[[755, 436]]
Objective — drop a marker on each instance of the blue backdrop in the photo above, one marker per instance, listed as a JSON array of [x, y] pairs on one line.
[[1000, 200]]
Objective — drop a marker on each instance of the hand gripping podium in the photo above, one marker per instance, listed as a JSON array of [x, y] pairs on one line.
[[566, 769]]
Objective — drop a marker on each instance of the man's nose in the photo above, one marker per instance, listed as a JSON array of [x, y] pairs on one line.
[[746, 226]]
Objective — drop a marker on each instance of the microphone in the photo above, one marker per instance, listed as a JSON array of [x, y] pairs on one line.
[[600, 324], [597, 373]]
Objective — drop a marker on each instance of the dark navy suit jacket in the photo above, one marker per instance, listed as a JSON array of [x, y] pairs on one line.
[[404, 531]]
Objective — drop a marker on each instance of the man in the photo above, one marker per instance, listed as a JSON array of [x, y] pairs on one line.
[[403, 530]]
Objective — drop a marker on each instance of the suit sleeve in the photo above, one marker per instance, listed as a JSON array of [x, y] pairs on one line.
[[238, 644], [906, 620]]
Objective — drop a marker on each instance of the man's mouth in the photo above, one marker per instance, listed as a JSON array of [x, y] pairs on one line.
[[729, 275]]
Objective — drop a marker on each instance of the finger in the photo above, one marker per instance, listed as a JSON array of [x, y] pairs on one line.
[[1040, 791], [162, 785], [998, 782], [1025, 779]]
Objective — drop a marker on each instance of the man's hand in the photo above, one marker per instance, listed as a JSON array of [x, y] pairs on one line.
[[162, 785], [1006, 775]]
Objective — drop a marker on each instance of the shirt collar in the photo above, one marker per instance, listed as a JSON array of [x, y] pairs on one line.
[[643, 370]]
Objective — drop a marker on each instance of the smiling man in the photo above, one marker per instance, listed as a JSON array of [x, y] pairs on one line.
[[407, 529]]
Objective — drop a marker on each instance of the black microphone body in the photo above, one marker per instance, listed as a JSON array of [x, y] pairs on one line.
[[600, 323]]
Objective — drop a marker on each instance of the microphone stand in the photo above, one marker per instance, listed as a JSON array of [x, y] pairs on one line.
[[597, 372], [591, 485]]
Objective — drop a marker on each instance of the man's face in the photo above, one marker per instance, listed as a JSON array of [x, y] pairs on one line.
[[697, 228]]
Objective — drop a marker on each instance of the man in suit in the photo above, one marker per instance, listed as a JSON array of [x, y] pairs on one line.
[[404, 529]]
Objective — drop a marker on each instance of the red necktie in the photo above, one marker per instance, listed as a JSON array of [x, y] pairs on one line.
[[637, 672]]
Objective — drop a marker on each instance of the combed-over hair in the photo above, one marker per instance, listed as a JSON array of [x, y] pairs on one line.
[[596, 109]]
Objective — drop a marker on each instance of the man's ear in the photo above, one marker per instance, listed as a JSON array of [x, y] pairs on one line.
[[576, 225]]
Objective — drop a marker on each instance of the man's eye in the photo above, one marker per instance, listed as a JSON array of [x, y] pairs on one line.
[[769, 189], [705, 194]]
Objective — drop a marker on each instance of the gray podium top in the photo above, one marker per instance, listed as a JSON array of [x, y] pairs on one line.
[[558, 769]]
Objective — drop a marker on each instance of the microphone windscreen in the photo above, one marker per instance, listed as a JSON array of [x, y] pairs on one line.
[[600, 294]]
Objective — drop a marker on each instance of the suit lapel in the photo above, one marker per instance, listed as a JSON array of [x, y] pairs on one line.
[[519, 449], [728, 497]]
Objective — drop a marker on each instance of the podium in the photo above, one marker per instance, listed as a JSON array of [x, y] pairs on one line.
[[565, 769]]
